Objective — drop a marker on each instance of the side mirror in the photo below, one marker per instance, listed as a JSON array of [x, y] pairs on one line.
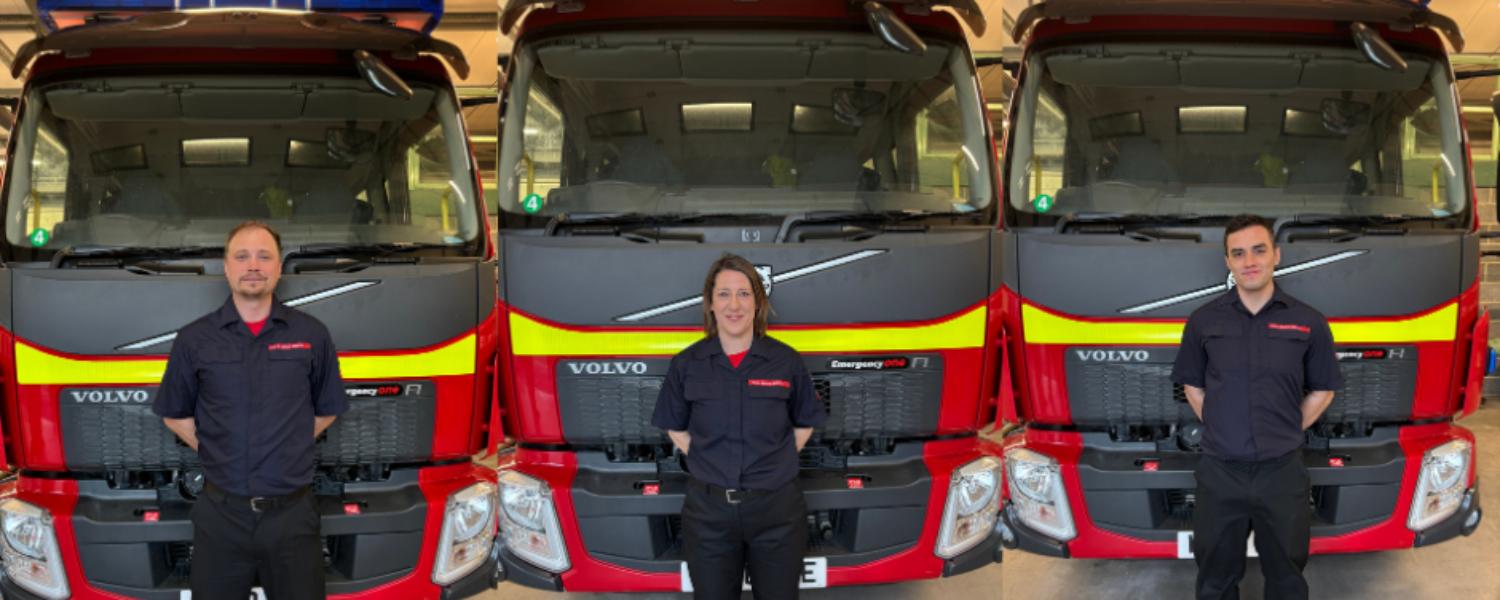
[[889, 27], [376, 73], [1376, 49]]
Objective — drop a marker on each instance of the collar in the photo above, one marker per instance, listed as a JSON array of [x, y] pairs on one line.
[[711, 346], [228, 315], [1232, 298]]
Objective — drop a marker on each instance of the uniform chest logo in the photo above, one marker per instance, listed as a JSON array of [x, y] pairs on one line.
[[1284, 327], [292, 346], [769, 383]]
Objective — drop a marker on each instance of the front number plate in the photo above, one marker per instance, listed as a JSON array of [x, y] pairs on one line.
[[1185, 545], [814, 575], [255, 594]]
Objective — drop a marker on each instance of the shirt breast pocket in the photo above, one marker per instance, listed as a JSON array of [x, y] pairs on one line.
[[708, 404], [221, 373], [770, 419], [1225, 347], [291, 373], [1287, 348]]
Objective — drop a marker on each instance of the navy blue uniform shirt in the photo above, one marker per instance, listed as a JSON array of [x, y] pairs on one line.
[[1255, 370], [254, 396], [740, 419]]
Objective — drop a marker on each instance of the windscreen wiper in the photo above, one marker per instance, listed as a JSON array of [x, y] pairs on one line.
[[1320, 219], [1133, 219], [76, 253], [882, 217], [377, 248], [639, 218]]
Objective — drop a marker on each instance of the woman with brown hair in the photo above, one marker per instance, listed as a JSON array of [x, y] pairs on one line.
[[740, 405]]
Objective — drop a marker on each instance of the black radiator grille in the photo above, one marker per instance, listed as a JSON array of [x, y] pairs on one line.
[[130, 436], [1143, 393], [617, 409]]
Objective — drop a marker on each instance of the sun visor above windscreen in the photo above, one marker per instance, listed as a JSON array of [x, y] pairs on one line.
[[416, 15], [1283, 69], [709, 61], [235, 104]]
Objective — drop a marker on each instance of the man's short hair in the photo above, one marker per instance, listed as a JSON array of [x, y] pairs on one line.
[[252, 225], [1246, 221]]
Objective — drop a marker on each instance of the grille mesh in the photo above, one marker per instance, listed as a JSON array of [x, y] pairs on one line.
[[132, 437], [611, 410], [1143, 394]]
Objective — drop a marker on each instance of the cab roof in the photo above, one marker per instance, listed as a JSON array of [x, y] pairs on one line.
[[241, 29], [1398, 15], [548, 12]]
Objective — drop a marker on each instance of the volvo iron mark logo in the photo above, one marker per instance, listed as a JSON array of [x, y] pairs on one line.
[[102, 396], [767, 278], [608, 368]]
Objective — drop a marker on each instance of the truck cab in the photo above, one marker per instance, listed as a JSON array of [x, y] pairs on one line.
[[140, 140], [1135, 133]]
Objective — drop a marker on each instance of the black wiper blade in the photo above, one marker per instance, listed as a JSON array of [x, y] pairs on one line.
[[632, 218], [381, 248], [885, 215], [1326, 219], [1133, 218], [127, 251]]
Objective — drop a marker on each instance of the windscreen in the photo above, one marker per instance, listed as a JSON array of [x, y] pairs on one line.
[[155, 162], [1218, 130], [716, 122]]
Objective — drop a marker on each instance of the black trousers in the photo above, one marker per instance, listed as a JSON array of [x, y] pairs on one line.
[[233, 546], [1269, 498], [765, 535]]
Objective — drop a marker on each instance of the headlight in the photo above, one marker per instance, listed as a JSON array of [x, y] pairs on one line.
[[1038, 494], [32, 559], [468, 533], [973, 505], [1440, 484], [528, 522]]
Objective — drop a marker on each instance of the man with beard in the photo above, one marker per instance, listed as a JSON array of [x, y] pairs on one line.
[[250, 386]]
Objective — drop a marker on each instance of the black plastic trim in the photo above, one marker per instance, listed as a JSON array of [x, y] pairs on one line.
[[1451, 527], [1031, 541], [523, 573], [473, 584], [988, 552]]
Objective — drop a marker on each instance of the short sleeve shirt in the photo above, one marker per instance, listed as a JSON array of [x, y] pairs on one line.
[[741, 419], [253, 396], [1255, 370]]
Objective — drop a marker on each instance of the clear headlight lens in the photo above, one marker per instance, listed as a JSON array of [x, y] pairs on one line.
[[1440, 484], [528, 522], [973, 506], [1038, 494], [32, 559], [468, 533]]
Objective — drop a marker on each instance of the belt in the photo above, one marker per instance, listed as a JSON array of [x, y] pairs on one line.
[[1247, 466], [257, 504], [732, 496]]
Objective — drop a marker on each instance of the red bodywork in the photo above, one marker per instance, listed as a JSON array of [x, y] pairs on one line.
[[1447, 384]]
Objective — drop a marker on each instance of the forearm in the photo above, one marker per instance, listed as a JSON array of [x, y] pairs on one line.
[[320, 424], [803, 434], [1313, 406], [187, 429], [681, 439], [1195, 398]]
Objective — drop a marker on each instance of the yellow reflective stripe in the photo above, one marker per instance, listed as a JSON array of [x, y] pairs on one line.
[[1440, 325], [532, 338], [1042, 327], [35, 367], [456, 358]]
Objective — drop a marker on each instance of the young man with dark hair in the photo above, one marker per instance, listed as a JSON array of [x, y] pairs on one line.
[[250, 386], [1246, 359]]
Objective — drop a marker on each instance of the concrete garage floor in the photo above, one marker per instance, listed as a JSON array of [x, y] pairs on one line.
[[1462, 568]]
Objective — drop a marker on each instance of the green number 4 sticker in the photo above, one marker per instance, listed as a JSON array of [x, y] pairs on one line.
[[532, 204], [1043, 203], [39, 237]]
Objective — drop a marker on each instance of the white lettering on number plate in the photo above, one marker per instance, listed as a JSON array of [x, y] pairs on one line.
[[1185, 545], [814, 575], [255, 594]]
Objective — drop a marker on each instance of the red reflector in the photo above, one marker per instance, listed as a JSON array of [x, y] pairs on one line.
[[1151, 466], [651, 489], [351, 509], [1335, 461], [856, 483], [151, 516]]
